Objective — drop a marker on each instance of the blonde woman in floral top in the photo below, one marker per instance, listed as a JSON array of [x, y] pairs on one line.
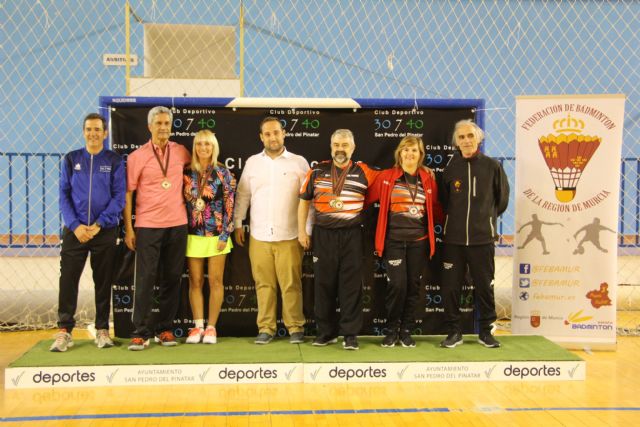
[[209, 190]]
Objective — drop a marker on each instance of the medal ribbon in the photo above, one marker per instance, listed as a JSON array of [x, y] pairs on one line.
[[202, 180], [413, 192], [337, 181], [164, 169]]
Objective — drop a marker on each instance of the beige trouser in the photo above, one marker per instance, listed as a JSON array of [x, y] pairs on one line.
[[274, 263]]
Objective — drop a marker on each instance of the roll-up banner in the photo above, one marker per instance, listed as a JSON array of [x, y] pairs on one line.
[[568, 153]]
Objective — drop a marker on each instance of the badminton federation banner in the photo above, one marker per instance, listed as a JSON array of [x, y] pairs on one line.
[[568, 151]]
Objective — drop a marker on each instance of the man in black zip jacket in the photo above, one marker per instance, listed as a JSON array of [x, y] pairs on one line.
[[474, 191]]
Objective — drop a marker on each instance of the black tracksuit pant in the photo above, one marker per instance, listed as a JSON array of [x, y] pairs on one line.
[[404, 262], [480, 260], [160, 257], [73, 256], [337, 267]]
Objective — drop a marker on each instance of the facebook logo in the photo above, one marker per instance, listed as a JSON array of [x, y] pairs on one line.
[[525, 283], [525, 268]]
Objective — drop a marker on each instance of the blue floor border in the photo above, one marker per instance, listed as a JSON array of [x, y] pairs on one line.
[[296, 412]]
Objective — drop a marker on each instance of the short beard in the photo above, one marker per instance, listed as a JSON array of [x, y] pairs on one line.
[[340, 157]]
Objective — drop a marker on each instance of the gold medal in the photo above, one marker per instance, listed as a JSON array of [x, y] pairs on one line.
[[166, 184], [336, 204], [413, 210], [337, 183], [199, 205]]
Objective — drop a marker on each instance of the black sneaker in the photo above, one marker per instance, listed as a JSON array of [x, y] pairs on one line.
[[406, 340], [452, 340], [350, 343], [322, 341], [390, 340], [487, 340]]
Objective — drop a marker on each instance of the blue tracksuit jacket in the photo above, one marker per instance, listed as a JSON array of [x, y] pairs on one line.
[[92, 188]]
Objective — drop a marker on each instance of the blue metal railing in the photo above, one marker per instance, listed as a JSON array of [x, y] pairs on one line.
[[30, 210], [623, 200], [21, 209], [626, 197], [501, 231]]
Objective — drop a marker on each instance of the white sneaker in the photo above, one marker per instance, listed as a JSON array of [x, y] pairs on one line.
[[62, 341], [210, 336], [195, 335], [102, 339]]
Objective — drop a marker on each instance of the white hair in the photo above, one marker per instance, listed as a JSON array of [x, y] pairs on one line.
[[159, 110]]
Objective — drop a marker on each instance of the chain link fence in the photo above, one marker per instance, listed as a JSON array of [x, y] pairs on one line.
[[60, 56]]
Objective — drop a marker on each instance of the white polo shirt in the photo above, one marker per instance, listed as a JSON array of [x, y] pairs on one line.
[[271, 188]]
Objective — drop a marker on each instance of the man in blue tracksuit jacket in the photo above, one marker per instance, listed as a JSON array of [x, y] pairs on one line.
[[474, 191], [92, 196]]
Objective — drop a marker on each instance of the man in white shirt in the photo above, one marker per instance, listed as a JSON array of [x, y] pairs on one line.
[[270, 183]]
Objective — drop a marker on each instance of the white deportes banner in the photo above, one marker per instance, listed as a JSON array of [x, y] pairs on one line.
[[154, 375], [568, 151], [445, 371], [274, 373]]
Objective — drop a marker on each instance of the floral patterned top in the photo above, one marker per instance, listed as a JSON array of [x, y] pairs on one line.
[[215, 217]]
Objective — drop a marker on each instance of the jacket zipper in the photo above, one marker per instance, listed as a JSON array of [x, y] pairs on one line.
[[90, 188], [468, 199]]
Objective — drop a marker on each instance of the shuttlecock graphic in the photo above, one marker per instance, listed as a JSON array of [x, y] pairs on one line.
[[567, 153]]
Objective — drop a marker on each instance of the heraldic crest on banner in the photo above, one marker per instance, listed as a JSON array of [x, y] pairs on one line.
[[567, 152]]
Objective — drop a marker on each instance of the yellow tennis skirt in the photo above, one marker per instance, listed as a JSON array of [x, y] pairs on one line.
[[205, 247]]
